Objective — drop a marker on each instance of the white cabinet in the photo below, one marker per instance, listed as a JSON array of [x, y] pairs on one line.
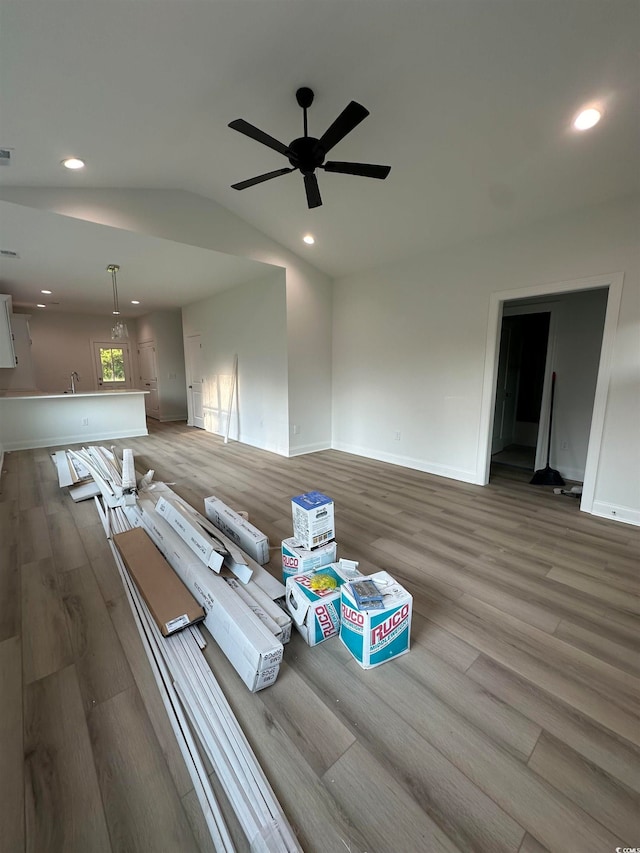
[[7, 352]]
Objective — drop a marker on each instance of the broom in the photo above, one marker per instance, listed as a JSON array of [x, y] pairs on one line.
[[548, 476]]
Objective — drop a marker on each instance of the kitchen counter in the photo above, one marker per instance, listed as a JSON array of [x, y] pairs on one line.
[[35, 419], [38, 395]]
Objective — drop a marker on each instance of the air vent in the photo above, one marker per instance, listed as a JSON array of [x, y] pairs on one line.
[[5, 156], [7, 253]]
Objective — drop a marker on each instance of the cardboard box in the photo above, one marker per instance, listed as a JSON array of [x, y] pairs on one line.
[[253, 541], [202, 545], [377, 636], [297, 560], [316, 612], [313, 523], [251, 648], [170, 602]]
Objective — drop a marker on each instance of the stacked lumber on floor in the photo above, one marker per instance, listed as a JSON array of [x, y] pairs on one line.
[[204, 723]]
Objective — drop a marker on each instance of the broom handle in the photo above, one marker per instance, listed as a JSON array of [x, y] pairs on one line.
[[553, 386]]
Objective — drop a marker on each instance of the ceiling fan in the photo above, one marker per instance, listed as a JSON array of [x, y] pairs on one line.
[[307, 153]]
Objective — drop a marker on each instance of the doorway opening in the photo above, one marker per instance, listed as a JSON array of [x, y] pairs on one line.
[[524, 344], [611, 285]]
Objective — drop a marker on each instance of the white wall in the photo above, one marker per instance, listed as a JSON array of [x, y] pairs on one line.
[[249, 321], [309, 317], [61, 343], [409, 344], [194, 220], [165, 328]]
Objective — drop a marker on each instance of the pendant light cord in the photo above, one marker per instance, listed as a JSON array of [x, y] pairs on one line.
[[114, 268]]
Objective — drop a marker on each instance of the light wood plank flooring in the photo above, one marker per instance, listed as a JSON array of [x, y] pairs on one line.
[[512, 725]]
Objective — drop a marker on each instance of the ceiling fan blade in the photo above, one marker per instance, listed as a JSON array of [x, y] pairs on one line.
[[259, 135], [349, 118], [366, 170], [313, 191], [251, 182]]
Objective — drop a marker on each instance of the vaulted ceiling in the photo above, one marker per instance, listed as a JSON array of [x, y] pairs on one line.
[[471, 104]]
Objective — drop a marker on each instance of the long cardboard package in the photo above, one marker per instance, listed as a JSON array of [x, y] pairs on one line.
[[252, 541], [200, 542], [170, 602], [254, 652]]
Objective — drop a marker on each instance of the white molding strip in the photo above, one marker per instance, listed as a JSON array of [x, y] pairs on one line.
[[428, 467], [303, 449], [615, 512]]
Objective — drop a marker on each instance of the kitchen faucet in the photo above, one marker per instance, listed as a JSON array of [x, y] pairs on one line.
[[74, 378]]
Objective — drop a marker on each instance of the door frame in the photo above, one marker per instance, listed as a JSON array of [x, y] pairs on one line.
[[613, 282], [124, 345]]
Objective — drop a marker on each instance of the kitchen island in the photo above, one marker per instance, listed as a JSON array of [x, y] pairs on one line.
[[36, 419]]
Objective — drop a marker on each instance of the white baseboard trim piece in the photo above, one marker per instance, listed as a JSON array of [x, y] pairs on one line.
[[614, 512], [408, 462], [309, 448], [79, 438]]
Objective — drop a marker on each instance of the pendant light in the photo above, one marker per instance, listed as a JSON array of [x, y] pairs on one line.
[[119, 330]]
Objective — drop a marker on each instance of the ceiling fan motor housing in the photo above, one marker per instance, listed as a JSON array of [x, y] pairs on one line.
[[307, 154]]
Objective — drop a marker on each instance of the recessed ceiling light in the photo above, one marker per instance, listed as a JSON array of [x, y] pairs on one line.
[[309, 239], [40, 305], [73, 163], [587, 118], [135, 302], [45, 291]]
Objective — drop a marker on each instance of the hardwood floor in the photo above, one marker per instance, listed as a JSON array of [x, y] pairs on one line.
[[512, 725]]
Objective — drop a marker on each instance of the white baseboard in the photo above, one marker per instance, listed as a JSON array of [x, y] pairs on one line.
[[79, 438], [303, 449], [615, 512], [409, 462]]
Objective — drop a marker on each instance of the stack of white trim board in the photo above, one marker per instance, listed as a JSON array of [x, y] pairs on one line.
[[235, 597], [238, 595]]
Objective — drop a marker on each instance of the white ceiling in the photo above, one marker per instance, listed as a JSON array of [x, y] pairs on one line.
[[471, 103], [70, 258]]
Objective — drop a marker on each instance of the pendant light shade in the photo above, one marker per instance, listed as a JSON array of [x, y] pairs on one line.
[[119, 331]]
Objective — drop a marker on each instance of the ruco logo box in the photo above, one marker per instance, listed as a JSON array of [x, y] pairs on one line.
[[298, 561], [377, 636], [314, 606]]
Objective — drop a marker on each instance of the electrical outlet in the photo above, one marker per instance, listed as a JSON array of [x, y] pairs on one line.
[[397, 435], [296, 429], [564, 445], [85, 422]]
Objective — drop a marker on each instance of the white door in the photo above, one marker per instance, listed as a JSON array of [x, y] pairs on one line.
[[149, 377], [507, 386], [112, 364], [195, 380]]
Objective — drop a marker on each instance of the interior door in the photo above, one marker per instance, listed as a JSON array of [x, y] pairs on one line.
[[149, 377], [112, 364], [504, 420], [195, 380]]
